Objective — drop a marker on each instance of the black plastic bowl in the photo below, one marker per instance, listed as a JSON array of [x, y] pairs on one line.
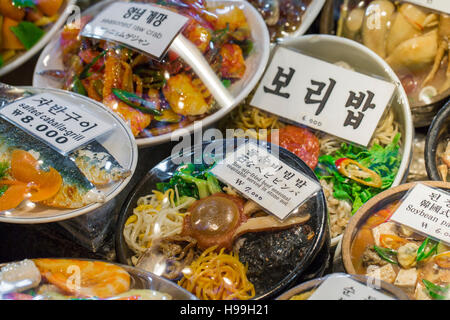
[[313, 262], [438, 132]]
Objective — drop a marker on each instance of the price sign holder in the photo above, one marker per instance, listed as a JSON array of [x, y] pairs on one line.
[[262, 177], [59, 123], [426, 210], [323, 96]]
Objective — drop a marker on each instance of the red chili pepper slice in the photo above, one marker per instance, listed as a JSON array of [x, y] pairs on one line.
[[355, 171]]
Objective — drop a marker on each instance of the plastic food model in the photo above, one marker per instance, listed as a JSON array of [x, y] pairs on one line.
[[412, 40], [156, 97], [22, 24], [202, 234], [397, 254], [70, 279]]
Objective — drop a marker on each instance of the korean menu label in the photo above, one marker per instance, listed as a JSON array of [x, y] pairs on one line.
[[323, 96], [59, 123], [344, 288], [262, 177], [145, 27], [439, 5], [426, 210]]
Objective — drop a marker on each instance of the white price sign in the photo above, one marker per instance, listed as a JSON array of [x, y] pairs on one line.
[[438, 5], [345, 288], [263, 178], [426, 210], [145, 27], [323, 96], [59, 123]]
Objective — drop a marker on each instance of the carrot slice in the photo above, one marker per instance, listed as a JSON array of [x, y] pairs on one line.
[[13, 196], [48, 185], [25, 167], [10, 41]]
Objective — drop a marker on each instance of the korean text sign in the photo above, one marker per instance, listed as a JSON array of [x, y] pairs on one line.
[[145, 27], [263, 178], [427, 210], [59, 123], [323, 96]]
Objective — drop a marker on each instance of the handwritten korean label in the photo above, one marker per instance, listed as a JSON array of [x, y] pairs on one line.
[[438, 5], [426, 210], [263, 178], [323, 96], [59, 123], [144, 27], [345, 288]]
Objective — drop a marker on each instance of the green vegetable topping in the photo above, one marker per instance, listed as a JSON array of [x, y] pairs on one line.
[[136, 102], [193, 181], [426, 249], [27, 33], [85, 72], [24, 3], [386, 254], [385, 161], [77, 86], [435, 291]]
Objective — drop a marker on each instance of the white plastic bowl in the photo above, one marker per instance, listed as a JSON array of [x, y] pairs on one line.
[[333, 49], [50, 32], [119, 142], [50, 58]]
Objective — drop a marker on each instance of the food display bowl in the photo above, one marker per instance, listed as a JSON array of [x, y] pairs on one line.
[[50, 32], [438, 133], [51, 59], [364, 61], [384, 287], [422, 113], [119, 142], [312, 263], [372, 206], [141, 279]]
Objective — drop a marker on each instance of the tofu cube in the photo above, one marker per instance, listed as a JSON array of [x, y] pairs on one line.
[[421, 292], [385, 273], [406, 278], [384, 228]]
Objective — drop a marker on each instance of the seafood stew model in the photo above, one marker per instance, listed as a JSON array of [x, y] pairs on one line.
[[158, 97], [376, 246], [185, 225], [39, 184], [76, 279], [413, 40]]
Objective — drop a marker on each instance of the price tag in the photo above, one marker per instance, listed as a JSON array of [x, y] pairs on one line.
[[59, 123], [438, 5], [144, 27], [323, 96], [263, 178], [426, 210], [345, 288]]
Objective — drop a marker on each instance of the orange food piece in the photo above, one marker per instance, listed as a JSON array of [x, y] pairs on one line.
[[443, 259], [300, 141], [49, 7], [8, 10], [392, 241], [10, 41], [48, 185], [29, 179], [13, 196], [85, 278], [233, 64], [44, 185]]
